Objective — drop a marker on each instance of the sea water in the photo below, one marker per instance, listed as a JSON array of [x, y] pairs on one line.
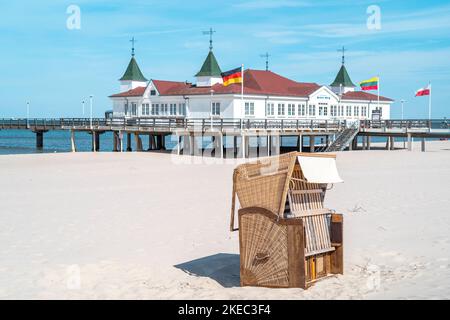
[[24, 142]]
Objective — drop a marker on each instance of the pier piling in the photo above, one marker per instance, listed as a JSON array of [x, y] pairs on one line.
[[72, 141], [312, 142], [129, 142], [39, 139]]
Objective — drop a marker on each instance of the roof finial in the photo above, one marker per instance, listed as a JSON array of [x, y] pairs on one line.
[[343, 54], [210, 32], [266, 55], [133, 41]]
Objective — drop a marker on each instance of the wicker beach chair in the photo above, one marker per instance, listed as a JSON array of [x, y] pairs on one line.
[[286, 236]]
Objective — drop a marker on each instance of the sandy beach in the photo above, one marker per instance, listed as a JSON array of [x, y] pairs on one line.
[[155, 226]]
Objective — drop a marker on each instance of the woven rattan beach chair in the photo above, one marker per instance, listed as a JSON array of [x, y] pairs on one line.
[[286, 236]]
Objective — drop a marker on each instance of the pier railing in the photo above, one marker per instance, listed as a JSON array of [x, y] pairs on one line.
[[410, 124], [172, 124]]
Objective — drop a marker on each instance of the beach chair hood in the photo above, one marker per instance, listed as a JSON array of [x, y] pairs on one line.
[[265, 182], [319, 169]]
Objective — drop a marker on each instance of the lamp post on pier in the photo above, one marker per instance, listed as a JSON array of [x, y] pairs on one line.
[[90, 102], [28, 114]]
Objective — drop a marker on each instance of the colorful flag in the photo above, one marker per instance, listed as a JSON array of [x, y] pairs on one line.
[[232, 76], [370, 84], [424, 91]]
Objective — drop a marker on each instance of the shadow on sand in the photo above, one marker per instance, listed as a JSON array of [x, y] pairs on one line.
[[221, 267]]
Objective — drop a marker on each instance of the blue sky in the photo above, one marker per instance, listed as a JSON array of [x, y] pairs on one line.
[[56, 68]]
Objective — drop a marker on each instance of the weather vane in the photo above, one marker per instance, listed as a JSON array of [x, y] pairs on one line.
[[133, 41], [266, 55], [343, 54], [210, 32]]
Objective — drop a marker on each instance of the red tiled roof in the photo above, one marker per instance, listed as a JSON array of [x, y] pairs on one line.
[[136, 92], [258, 82], [362, 95], [255, 82]]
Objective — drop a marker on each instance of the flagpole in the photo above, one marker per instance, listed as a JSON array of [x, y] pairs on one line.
[[242, 91], [378, 96], [429, 102]]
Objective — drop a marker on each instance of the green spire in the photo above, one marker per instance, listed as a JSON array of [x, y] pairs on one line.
[[343, 78], [210, 67], [133, 73]]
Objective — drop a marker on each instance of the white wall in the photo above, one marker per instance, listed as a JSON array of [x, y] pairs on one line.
[[232, 106]]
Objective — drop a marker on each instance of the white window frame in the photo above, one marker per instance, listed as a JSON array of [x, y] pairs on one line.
[[270, 109], [215, 109], [348, 111], [301, 112], [291, 110], [281, 110], [249, 109]]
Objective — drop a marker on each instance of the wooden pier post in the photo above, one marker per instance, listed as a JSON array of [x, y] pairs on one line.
[[391, 143], [235, 146], [312, 142], [161, 142], [269, 144], [364, 143], [120, 136], [368, 142], [138, 142], [151, 142], [72, 141], [410, 147], [115, 141], [275, 146], [300, 143], [39, 139], [423, 145], [191, 144], [129, 142], [220, 142], [178, 137], [185, 144], [97, 141], [94, 141]]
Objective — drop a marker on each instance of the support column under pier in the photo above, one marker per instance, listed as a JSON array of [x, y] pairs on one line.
[[72, 141], [410, 142], [300, 143], [116, 141], [312, 142], [423, 145], [138, 142], [39, 139], [129, 142]]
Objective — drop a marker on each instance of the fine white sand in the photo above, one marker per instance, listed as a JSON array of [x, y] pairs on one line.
[[148, 226]]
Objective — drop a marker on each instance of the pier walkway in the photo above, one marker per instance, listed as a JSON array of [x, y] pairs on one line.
[[335, 135]]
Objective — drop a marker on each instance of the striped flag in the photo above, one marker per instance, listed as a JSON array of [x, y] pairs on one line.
[[423, 91], [232, 76], [370, 84]]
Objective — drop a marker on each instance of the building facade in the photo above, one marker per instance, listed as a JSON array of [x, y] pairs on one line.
[[266, 95]]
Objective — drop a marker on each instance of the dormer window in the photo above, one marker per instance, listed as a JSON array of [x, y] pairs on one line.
[[153, 92]]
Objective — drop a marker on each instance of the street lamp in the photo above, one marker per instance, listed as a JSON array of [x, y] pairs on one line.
[[90, 102], [82, 104], [402, 102], [28, 114]]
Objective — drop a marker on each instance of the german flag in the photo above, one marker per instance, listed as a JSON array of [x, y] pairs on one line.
[[232, 76]]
